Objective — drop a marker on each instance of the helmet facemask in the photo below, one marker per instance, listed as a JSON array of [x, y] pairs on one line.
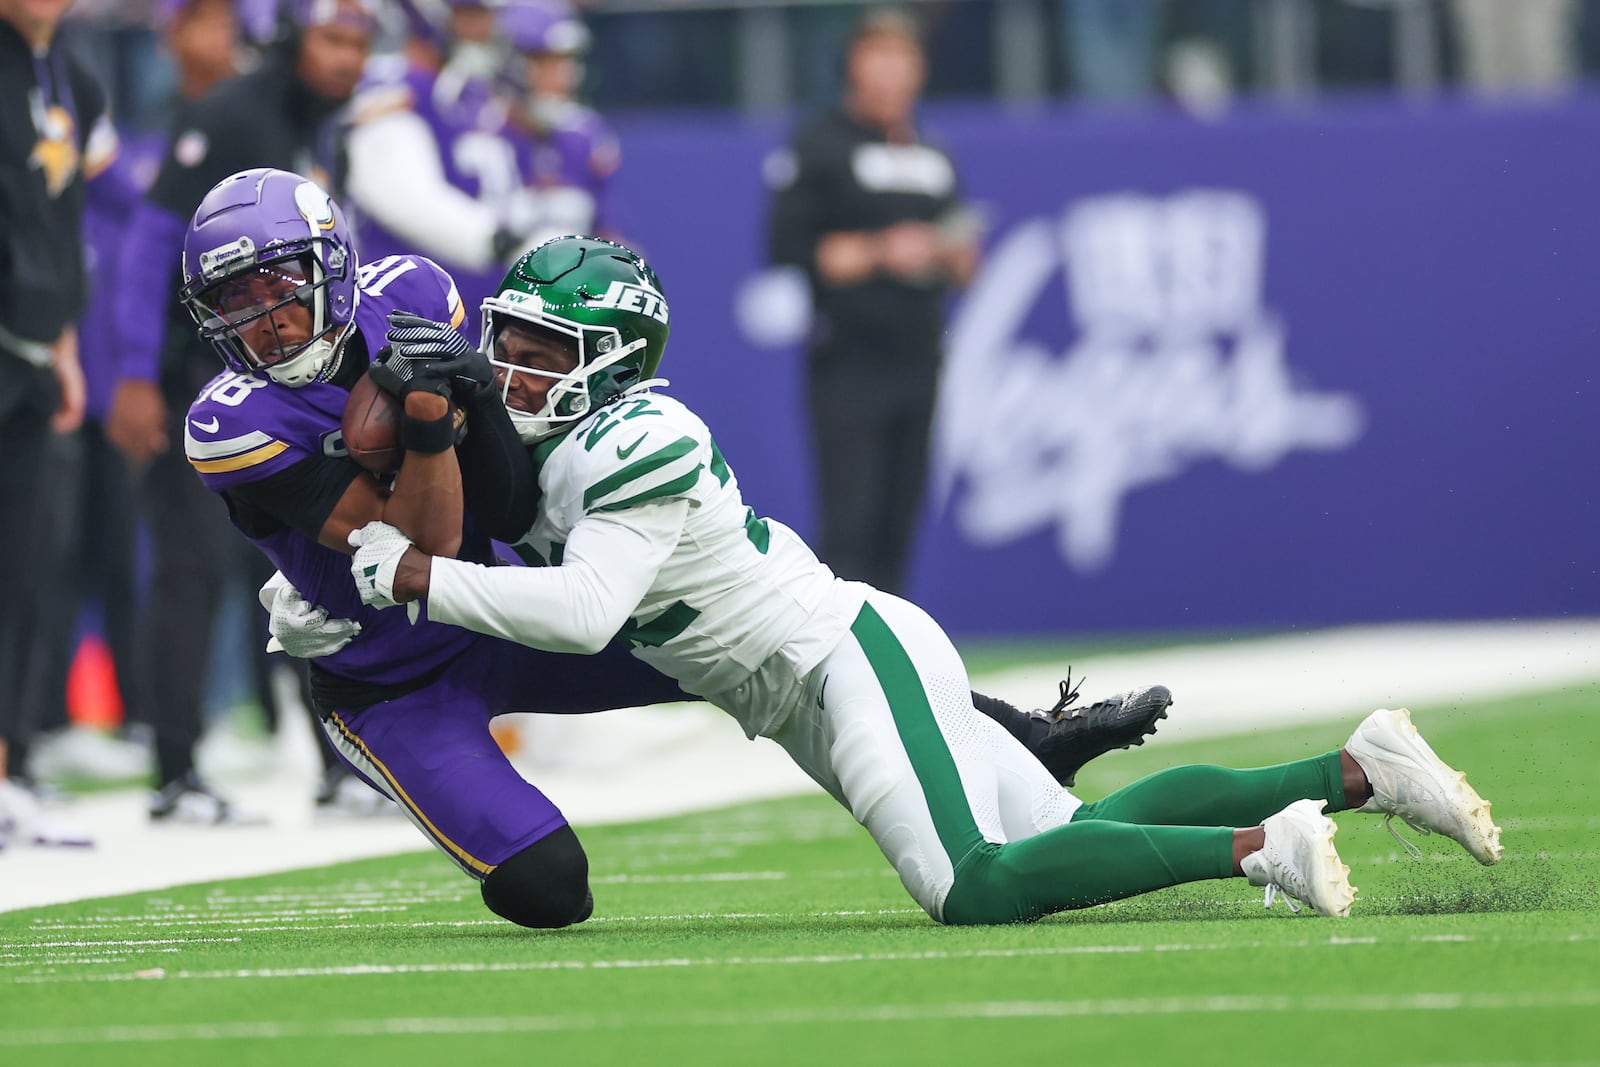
[[599, 376], [228, 308]]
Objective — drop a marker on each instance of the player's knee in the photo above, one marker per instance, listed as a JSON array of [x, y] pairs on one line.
[[987, 891], [544, 886]]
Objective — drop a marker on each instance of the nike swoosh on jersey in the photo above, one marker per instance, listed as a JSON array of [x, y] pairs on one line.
[[207, 427], [624, 453], [823, 691]]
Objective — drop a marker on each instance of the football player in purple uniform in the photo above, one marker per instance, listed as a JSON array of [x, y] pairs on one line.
[[436, 106], [270, 275], [569, 153]]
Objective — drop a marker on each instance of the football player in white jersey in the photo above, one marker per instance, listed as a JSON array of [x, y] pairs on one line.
[[641, 533]]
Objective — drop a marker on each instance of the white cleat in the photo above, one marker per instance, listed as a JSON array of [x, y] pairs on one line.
[[23, 822], [1299, 861], [1428, 795]]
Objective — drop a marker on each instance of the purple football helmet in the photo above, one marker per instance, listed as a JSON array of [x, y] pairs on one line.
[[262, 245], [543, 27]]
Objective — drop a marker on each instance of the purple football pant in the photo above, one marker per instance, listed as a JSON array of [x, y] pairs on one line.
[[431, 751]]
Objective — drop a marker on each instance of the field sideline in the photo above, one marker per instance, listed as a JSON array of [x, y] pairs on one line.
[[773, 932], [628, 765]]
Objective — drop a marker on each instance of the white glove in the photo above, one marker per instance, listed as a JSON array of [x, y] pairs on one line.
[[269, 590], [299, 627], [379, 547]]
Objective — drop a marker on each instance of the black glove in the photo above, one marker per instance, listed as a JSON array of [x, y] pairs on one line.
[[430, 356]]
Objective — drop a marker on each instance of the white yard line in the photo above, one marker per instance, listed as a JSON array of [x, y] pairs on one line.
[[387, 970], [275, 1030], [628, 765]]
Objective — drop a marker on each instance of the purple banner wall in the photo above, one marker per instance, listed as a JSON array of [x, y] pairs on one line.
[[1290, 368]]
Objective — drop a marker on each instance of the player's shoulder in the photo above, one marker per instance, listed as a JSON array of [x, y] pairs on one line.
[[642, 448], [236, 423], [406, 283]]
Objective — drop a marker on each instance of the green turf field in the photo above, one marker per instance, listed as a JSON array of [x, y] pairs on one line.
[[774, 933]]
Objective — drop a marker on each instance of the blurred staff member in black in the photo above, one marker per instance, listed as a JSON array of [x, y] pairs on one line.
[[54, 136], [93, 545], [871, 213], [283, 114]]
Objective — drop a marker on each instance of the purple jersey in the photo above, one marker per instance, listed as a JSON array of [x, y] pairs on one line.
[[242, 428], [570, 164]]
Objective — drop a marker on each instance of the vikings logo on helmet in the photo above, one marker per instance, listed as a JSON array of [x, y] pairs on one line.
[[603, 296]]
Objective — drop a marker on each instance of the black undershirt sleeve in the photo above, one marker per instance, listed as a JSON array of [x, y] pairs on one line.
[[300, 497], [498, 482]]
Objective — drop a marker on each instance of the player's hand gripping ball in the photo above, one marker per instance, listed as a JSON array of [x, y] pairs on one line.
[[371, 427]]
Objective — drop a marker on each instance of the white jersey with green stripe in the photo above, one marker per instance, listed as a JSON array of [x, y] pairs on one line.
[[736, 593]]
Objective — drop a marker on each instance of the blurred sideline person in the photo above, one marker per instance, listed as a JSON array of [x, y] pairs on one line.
[[93, 554], [570, 153], [55, 135], [429, 127], [872, 213], [283, 114], [645, 538]]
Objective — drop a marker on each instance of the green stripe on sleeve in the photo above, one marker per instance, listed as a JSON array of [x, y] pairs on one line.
[[637, 469], [719, 466], [757, 530], [677, 486]]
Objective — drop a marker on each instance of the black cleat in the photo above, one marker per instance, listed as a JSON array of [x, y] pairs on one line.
[[1065, 740], [188, 801]]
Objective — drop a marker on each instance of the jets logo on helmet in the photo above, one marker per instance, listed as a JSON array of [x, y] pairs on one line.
[[604, 299], [638, 298], [269, 276]]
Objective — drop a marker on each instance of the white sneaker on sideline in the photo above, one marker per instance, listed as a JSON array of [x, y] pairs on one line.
[[84, 752], [1299, 861], [1409, 780], [23, 822]]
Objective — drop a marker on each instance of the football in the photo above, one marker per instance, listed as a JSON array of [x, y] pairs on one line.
[[371, 427]]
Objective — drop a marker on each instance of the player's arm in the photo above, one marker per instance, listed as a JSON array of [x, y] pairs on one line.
[[456, 227], [323, 499], [426, 499], [498, 480], [610, 562], [205, 149], [801, 230], [794, 222]]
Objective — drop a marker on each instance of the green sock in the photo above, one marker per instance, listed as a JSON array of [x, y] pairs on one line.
[[1081, 864], [1220, 796], [1172, 827]]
